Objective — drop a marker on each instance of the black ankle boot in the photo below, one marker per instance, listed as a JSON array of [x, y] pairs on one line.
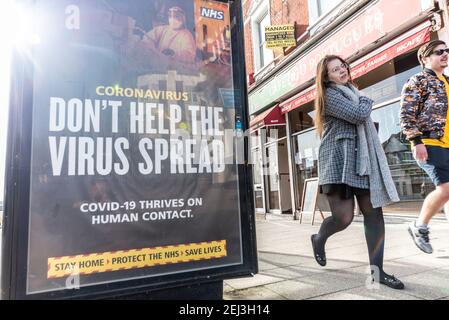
[[320, 257]]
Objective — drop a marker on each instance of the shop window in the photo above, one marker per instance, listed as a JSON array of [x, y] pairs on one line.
[[389, 88], [393, 74], [258, 196], [255, 141], [257, 166], [305, 148], [256, 158], [275, 132], [412, 184], [302, 118]]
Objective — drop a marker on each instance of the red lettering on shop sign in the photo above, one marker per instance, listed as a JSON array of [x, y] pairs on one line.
[[370, 26]]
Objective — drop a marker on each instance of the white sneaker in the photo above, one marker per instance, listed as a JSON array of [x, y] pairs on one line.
[[421, 237]]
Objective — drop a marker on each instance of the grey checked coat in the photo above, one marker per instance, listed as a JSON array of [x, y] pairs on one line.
[[337, 153]]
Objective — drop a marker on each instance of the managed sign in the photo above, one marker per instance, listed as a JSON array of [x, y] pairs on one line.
[[280, 36]]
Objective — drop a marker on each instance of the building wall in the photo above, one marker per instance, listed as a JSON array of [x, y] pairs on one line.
[[287, 12], [281, 12], [249, 58]]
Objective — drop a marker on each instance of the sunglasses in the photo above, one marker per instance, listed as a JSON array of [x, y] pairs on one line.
[[440, 52]]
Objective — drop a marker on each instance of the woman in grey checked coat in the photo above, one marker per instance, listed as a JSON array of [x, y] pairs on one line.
[[351, 162]]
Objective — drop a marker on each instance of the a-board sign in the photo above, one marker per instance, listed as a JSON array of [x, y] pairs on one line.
[[123, 168], [312, 200]]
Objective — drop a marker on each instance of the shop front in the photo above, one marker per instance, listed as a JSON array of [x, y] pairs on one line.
[[381, 61], [269, 151]]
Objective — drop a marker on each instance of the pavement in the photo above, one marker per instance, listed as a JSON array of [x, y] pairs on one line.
[[288, 271]]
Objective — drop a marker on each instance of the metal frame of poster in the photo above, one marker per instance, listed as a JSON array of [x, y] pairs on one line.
[[122, 175]]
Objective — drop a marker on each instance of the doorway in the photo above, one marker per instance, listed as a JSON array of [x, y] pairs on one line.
[[278, 178]]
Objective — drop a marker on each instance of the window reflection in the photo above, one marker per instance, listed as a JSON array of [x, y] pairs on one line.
[[390, 87], [306, 146], [255, 140], [302, 118], [275, 132], [411, 182]]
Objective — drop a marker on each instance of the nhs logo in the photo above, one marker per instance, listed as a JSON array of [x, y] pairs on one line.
[[212, 14]]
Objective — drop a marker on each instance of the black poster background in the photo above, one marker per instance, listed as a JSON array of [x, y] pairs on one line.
[[73, 63]]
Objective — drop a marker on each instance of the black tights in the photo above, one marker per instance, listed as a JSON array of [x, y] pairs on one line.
[[342, 215]]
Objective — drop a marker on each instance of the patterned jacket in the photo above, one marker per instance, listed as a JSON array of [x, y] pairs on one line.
[[337, 152], [423, 107]]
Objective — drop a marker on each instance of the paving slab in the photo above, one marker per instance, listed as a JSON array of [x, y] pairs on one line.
[[248, 282], [362, 293], [316, 285], [428, 285], [257, 293], [292, 272], [282, 259]]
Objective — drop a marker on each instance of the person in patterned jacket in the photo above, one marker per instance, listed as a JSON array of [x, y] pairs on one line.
[[424, 121]]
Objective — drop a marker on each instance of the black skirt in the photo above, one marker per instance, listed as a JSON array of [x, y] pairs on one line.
[[345, 191]]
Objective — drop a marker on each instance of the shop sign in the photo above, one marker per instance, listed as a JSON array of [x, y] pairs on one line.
[[359, 69], [374, 23], [302, 99], [280, 36]]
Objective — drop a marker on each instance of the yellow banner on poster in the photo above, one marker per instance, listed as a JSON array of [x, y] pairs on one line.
[[280, 36], [137, 258]]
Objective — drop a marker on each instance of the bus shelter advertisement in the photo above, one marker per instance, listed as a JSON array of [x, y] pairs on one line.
[[133, 174]]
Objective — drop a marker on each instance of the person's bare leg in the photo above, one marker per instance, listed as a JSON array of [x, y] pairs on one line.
[[433, 202]]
